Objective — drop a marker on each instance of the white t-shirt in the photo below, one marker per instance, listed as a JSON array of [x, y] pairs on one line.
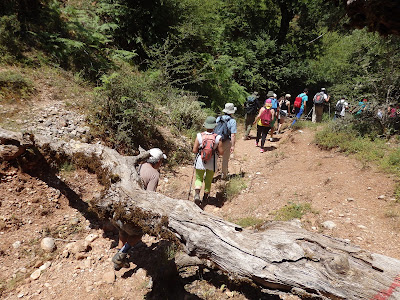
[[344, 105], [212, 163]]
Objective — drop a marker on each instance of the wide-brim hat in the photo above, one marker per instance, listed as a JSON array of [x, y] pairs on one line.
[[229, 108], [270, 94], [210, 123], [157, 154]]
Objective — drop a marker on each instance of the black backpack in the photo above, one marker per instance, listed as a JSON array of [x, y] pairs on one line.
[[222, 128], [251, 105], [339, 107]]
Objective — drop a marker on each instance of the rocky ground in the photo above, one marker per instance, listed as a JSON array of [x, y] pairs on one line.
[[349, 200]]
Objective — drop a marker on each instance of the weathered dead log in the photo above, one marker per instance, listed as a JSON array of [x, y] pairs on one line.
[[282, 257]]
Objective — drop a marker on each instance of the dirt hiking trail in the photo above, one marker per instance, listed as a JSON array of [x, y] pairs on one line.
[[357, 198]]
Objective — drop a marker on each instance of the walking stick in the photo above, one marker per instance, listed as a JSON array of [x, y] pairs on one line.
[[191, 181]]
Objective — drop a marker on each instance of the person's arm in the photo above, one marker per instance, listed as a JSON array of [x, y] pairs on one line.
[[288, 105], [196, 146], [153, 183], [273, 114], [220, 148], [233, 140], [327, 98], [258, 116]]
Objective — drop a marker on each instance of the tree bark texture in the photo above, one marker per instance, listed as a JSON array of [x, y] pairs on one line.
[[377, 15], [282, 257]]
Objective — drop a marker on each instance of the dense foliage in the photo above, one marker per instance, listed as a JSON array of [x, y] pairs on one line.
[[201, 54]]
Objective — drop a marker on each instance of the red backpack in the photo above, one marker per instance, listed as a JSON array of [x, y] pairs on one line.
[[266, 117], [207, 146], [297, 101]]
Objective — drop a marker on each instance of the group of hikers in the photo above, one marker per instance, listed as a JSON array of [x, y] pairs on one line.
[[218, 141]]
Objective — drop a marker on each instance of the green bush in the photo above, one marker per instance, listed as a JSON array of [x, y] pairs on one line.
[[234, 187], [10, 46], [124, 110], [293, 211]]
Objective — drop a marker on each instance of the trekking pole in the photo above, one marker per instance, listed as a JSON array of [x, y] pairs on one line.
[[191, 181]]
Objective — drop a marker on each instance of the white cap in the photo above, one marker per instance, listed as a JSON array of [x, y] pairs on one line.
[[288, 95], [157, 154], [275, 95]]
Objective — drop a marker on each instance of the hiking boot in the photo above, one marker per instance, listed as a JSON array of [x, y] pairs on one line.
[[256, 144], [197, 199], [205, 198], [120, 261], [262, 150]]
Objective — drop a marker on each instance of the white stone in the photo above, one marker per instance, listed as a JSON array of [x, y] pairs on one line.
[[16, 245], [381, 197], [91, 237], [45, 266], [36, 274], [350, 199], [48, 244], [329, 225]]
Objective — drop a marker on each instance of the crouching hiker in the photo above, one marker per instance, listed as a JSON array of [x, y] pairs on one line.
[[129, 234], [207, 146]]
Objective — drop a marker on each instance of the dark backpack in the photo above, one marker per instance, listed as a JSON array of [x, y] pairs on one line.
[[298, 101], [266, 117], [319, 98], [251, 105], [222, 128], [207, 146], [339, 107]]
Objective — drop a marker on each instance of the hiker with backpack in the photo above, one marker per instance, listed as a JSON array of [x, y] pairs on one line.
[[299, 105], [319, 100], [207, 146], [275, 107], [227, 129], [128, 234], [340, 108], [251, 107], [264, 120], [284, 109]]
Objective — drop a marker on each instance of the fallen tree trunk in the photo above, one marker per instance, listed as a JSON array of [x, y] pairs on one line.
[[282, 257]]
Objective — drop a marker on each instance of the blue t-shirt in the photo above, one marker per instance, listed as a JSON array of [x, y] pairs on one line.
[[304, 98]]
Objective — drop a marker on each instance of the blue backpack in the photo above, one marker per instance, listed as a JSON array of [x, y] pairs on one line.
[[222, 128]]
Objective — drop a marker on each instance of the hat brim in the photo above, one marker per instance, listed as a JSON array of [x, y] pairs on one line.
[[228, 111], [209, 126]]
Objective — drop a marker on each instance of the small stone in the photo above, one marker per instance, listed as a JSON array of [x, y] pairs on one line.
[[91, 237], [45, 266], [350, 199], [109, 277], [36, 274], [74, 221], [16, 245], [369, 188], [381, 197], [48, 244], [20, 295], [362, 227], [329, 225]]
